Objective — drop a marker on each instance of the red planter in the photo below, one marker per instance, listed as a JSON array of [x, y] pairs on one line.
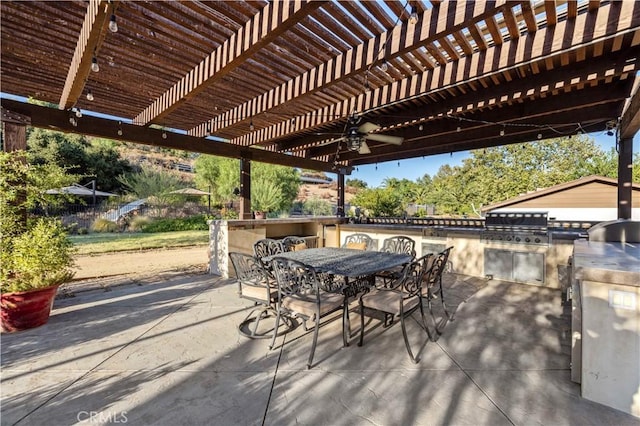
[[26, 309]]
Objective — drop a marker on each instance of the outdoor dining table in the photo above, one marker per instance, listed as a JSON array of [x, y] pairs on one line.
[[357, 267]]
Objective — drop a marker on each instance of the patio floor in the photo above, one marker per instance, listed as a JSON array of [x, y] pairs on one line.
[[168, 352]]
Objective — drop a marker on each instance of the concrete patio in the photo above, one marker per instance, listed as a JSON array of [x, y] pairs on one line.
[[167, 351]]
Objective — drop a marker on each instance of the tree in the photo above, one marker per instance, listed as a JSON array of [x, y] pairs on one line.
[[152, 182], [496, 174], [379, 202], [95, 158], [317, 207], [356, 183], [223, 175]]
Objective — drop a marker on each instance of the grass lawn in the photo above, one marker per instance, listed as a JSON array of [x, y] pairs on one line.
[[108, 242]]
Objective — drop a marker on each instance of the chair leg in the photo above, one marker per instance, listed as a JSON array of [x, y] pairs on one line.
[[424, 321], [275, 330], [406, 338], [345, 322], [315, 341], [361, 323], [449, 316]]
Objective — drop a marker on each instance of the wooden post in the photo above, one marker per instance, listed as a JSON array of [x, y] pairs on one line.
[[625, 164], [14, 130], [245, 188], [340, 209]]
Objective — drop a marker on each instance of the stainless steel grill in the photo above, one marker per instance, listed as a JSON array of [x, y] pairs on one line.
[[516, 228]]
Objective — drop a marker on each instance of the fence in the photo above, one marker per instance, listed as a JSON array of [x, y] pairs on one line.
[[83, 216]]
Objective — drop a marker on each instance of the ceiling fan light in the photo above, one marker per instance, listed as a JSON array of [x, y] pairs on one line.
[[413, 18], [113, 25]]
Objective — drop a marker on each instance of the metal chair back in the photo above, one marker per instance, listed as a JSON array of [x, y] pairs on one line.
[[400, 245], [300, 291], [293, 243], [360, 238]]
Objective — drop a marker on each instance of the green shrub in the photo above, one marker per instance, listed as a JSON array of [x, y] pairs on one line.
[[104, 225], [138, 223], [193, 223], [41, 256]]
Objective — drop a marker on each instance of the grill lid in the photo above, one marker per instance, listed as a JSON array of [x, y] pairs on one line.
[[509, 221]]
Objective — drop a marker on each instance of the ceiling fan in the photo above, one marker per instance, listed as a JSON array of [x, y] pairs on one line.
[[356, 136]]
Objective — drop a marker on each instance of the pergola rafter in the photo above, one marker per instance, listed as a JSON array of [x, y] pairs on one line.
[[267, 25]]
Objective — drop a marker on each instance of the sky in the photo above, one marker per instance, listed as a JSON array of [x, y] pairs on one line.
[[415, 168]]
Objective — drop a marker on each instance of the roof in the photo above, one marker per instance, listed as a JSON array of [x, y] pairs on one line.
[[280, 81], [557, 188]]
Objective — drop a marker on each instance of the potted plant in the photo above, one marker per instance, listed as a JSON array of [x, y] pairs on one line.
[[36, 256], [265, 197]]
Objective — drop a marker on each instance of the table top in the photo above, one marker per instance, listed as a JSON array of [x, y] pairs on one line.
[[346, 262]]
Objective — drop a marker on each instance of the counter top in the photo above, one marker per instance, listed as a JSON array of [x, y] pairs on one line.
[[615, 263], [288, 220]]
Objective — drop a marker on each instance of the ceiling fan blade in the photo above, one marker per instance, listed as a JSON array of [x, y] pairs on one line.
[[330, 141], [368, 127], [364, 148], [394, 140]]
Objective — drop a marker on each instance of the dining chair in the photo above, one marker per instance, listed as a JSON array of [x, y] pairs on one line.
[[267, 247], [359, 241], [399, 245], [293, 243], [301, 293], [433, 283], [253, 285], [402, 300]]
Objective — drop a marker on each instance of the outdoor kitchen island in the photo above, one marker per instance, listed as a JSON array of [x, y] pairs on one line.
[[607, 282], [539, 257]]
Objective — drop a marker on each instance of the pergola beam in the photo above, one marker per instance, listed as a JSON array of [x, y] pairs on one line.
[[89, 41], [463, 141], [266, 26], [515, 91], [541, 113], [546, 43], [396, 42], [54, 119], [630, 121]]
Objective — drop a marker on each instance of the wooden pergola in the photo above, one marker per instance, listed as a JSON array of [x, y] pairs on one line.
[[283, 81]]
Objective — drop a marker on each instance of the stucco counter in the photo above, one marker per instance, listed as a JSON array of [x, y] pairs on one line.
[[607, 280]]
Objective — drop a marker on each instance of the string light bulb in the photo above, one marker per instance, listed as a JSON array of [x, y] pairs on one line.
[[164, 135], [384, 67], [94, 64], [119, 128], [413, 18], [89, 95], [78, 113], [502, 132], [539, 135], [251, 126], [421, 127], [113, 25]]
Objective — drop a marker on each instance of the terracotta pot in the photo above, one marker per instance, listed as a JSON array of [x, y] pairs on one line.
[[26, 309]]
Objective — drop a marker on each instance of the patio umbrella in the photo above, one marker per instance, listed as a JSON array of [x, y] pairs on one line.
[[80, 190], [192, 191], [189, 191]]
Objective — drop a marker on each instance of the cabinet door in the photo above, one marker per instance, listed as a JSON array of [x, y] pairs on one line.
[[498, 264], [528, 267]]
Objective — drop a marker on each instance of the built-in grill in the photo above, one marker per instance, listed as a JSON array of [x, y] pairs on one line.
[[516, 228]]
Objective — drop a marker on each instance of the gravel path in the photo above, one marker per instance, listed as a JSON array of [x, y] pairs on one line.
[[147, 262]]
